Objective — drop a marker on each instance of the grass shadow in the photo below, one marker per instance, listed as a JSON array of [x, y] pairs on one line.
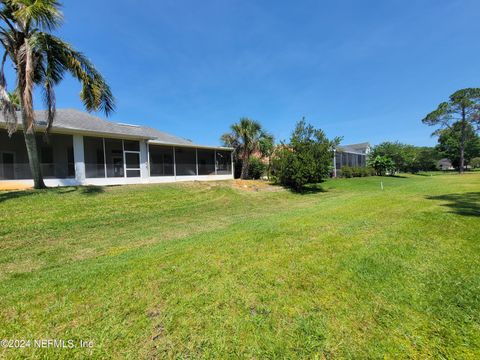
[[84, 190], [10, 195], [91, 190], [309, 189], [466, 204]]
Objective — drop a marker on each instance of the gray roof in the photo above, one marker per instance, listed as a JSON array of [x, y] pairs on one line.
[[71, 121], [361, 148]]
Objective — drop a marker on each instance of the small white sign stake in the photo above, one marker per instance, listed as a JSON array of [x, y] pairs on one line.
[[381, 185]]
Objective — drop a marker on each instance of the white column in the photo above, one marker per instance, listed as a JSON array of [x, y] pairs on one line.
[[79, 158], [144, 170]]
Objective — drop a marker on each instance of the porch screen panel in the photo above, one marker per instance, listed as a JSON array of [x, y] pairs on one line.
[[62, 148], [53, 155], [13, 157], [224, 163], [161, 160], [114, 157], [361, 160], [94, 157], [206, 162], [186, 161], [338, 160]]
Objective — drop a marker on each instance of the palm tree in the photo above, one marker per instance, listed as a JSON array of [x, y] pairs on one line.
[[42, 59], [246, 137]]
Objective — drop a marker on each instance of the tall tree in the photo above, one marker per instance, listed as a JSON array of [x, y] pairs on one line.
[[42, 59], [450, 139], [247, 137], [463, 108]]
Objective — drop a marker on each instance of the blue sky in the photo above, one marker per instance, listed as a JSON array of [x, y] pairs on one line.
[[365, 70]]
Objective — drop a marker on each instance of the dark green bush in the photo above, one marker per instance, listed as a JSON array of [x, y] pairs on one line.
[[357, 171], [347, 172], [256, 168], [306, 159]]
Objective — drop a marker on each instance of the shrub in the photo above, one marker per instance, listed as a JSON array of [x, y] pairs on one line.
[[382, 165], [306, 159], [357, 171], [347, 172], [256, 168]]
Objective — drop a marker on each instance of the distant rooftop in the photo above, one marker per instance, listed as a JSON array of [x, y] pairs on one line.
[[361, 148]]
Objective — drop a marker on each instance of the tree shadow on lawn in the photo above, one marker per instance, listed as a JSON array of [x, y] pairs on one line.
[[84, 190], [309, 189], [466, 204]]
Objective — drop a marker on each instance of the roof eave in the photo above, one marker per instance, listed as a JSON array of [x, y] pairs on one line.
[[72, 131], [156, 142]]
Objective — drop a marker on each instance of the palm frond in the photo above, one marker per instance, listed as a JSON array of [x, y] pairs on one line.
[[43, 14], [8, 108], [61, 57]]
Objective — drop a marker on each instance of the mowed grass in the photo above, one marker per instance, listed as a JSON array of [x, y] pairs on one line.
[[206, 270]]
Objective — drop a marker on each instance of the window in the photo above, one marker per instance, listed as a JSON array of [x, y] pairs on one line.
[[206, 162], [186, 161], [161, 160], [94, 157], [224, 162]]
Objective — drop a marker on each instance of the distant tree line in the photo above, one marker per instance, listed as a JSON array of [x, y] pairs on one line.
[[398, 157]]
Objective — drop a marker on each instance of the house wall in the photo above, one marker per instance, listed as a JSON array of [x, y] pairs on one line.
[[72, 147]]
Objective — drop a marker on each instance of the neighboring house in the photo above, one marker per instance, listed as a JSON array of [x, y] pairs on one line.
[[86, 150], [445, 164], [354, 155]]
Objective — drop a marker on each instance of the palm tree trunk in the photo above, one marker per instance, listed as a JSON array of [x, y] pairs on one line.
[[33, 159], [244, 174], [31, 144], [25, 88]]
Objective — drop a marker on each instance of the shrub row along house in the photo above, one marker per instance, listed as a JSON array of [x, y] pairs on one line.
[[354, 155], [85, 150]]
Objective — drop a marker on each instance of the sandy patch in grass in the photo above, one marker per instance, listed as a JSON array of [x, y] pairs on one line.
[[254, 185]]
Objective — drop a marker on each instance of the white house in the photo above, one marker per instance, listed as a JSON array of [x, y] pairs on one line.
[[85, 150], [353, 155]]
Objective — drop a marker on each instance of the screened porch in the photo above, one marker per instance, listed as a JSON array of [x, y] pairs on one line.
[[188, 161], [56, 156]]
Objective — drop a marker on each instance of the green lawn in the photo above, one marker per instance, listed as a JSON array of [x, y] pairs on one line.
[[207, 270]]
